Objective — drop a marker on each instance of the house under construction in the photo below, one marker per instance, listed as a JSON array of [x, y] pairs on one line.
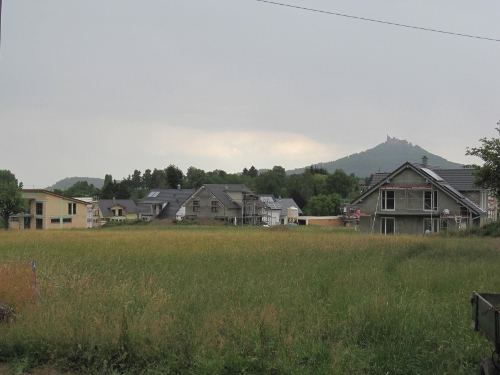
[[417, 198]]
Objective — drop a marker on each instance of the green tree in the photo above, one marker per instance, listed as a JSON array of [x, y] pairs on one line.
[[146, 179], [11, 198], [271, 182], [300, 187], [340, 183], [324, 205], [173, 176], [195, 177], [487, 175], [81, 189], [118, 190], [253, 172], [136, 180], [158, 179]]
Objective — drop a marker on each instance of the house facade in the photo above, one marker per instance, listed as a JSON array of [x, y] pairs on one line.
[[417, 198], [48, 210], [233, 203], [105, 210]]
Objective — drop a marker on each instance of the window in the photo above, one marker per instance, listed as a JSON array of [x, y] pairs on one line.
[[215, 206], [114, 212], [430, 200], [39, 223], [39, 208], [196, 206], [14, 218], [431, 225], [388, 225], [55, 221], [120, 212], [67, 220], [388, 200], [71, 208]]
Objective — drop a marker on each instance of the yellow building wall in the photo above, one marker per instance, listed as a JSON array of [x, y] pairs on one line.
[[54, 207]]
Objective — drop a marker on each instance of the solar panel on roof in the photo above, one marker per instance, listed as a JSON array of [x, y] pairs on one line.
[[432, 174]]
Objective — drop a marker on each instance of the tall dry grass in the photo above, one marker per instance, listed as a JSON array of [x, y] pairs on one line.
[[248, 301]]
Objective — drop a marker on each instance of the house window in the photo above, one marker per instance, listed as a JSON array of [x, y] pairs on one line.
[[388, 225], [39, 208], [430, 200], [114, 212], [14, 218], [196, 206], [67, 220], [39, 223], [120, 212], [215, 206], [71, 208], [431, 225], [388, 200], [55, 221]]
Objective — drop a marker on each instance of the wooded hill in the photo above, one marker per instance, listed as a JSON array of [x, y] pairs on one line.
[[70, 181], [385, 157]]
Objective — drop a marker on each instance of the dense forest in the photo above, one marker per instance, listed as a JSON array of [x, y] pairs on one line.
[[315, 191]]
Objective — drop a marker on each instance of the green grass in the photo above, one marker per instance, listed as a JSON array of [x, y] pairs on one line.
[[226, 300]]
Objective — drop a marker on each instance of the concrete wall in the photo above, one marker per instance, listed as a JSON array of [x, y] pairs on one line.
[[205, 198], [409, 212]]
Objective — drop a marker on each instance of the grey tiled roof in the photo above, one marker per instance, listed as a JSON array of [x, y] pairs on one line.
[[287, 203], [106, 204], [377, 177], [220, 192], [174, 197], [460, 179]]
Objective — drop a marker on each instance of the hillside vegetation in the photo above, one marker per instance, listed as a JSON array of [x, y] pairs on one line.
[[385, 157], [230, 300]]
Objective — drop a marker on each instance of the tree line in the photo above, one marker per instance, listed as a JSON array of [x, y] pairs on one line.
[[315, 191]]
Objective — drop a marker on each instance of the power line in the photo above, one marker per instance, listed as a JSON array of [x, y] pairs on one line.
[[378, 21]]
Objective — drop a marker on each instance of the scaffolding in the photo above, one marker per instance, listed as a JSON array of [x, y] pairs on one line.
[[419, 197], [209, 208]]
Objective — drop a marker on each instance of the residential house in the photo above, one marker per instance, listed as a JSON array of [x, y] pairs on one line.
[[279, 210], [418, 198], [163, 204], [233, 203], [105, 210], [48, 210]]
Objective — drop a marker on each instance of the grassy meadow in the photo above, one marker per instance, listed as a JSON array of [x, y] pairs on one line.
[[230, 300]]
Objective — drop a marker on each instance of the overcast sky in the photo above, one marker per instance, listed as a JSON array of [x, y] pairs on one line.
[[97, 87]]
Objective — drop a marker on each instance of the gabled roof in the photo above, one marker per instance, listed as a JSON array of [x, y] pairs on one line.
[[220, 191], [106, 204], [48, 192], [173, 198], [433, 175], [460, 179]]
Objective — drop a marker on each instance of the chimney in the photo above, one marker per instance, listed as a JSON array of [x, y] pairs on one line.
[[424, 161]]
